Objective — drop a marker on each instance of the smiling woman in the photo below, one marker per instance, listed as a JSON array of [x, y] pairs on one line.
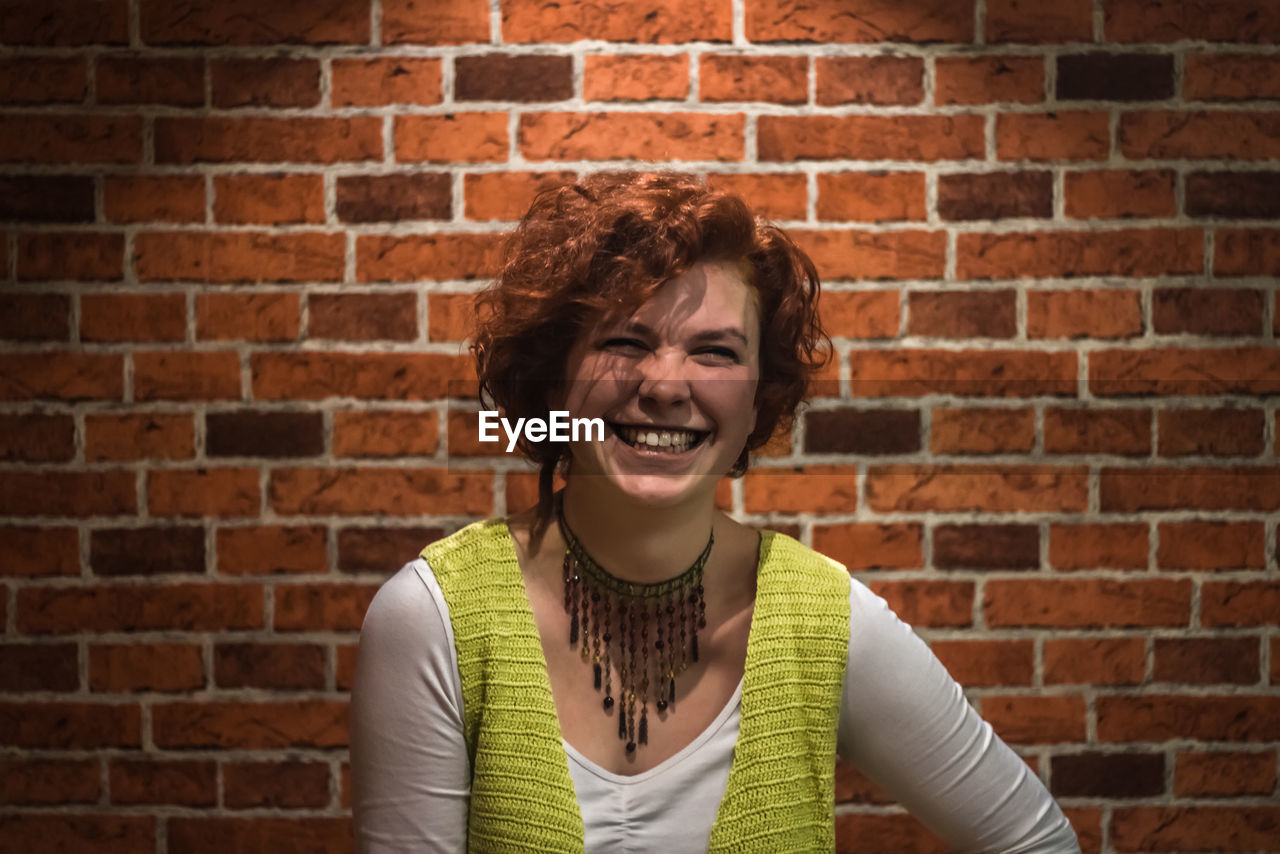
[[649, 673]]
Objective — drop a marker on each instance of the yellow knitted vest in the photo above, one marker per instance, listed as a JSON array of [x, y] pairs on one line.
[[781, 790]]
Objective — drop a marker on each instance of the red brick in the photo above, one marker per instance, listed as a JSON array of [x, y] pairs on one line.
[[1076, 313], [1224, 774], [394, 198], [345, 677], [49, 138], [145, 667], [393, 491], [34, 316], [772, 79], [1247, 252], [1034, 22], [274, 82], [1171, 20], [258, 199], [870, 196], [1187, 372], [274, 666], [363, 317], [49, 781], [382, 549], [878, 80], [1240, 603], [203, 492], [1227, 432], [261, 835], [70, 255], [133, 317], [865, 545], [450, 316], [140, 607], [153, 198], [248, 316], [231, 257], [1087, 603], [957, 488], [101, 834], [1155, 717], [70, 726], [178, 375], [384, 81], [38, 667], [800, 489], [962, 314], [66, 23], [928, 603], [866, 255], [1094, 661], [982, 662], [1097, 431], [978, 430], [37, 438], [140, 436], [1207, 661], [778, 196], [639, 136], [1098, 546], [995, 195], [42, 80], [385, 434], [411, 258], [443, 22], [988, 80], [268, 549], [864, 21], [1087, 823], [984, 547], [929, 138], [171, 81], [635, 77], [1166, 134], [524, 78], [68, 493], [649, 21], [1190, 487], [316, 375], [250, 726], [1116, 193], [192, 783], [912, 372], [1203, 545], [1231, 77], [1063, 135], [506, 195], [860, 314], [38, 552], [1036, 720], [60, 375], [268, 139], [1047, 254], [1207, 311], [322, 607], [282, 785], [452, 137], [853, 786], [246, 22]]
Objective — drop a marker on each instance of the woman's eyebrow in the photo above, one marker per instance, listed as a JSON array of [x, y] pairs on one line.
[[638, 328]]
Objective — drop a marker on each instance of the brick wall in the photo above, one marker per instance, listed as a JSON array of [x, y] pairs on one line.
[[239, 243]]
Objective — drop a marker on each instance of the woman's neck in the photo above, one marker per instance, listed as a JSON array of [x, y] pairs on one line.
[[637, 542]]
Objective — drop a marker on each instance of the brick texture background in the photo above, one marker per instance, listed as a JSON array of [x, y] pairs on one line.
[[238, 241]]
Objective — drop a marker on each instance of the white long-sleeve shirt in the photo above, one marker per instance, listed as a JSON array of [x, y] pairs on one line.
[[903, 722]]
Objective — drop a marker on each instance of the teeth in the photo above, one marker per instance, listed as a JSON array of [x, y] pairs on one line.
[[677, 440]]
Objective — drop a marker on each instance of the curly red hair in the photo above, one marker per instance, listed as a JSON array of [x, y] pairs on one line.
[[601, 247]]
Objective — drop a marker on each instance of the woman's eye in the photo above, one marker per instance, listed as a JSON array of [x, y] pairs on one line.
[[630, 344], [720, 353]]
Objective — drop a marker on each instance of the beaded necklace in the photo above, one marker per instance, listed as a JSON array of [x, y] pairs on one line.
[[603, 607]]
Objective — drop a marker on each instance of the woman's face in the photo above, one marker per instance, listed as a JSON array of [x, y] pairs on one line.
[[675, 384]]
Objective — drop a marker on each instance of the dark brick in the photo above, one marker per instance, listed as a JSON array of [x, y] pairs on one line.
[[862, 431], [38, 667], [1248, 195], [392, 198], [1107, 775], [35, 317], [147, 551], [963, 314], [986, 547], [1207, 311], [995, 195], [363, 317], [266, 83], [1115, 77], [46, 198], [176, 81], [284, 785], [280, 666], [498, 77], [264, 434], [382, 550], [1211, 432], [37, 438], [1204, 661]]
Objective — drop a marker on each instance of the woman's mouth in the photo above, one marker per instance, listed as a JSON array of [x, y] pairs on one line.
[[661, 440]]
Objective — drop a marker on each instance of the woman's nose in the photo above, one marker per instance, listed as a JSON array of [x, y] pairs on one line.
[[663, 378]]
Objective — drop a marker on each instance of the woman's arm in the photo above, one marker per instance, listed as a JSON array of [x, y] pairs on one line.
[[409, 768], [905, 723]]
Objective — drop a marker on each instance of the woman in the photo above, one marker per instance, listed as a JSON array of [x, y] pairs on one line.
[[624, 666]]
